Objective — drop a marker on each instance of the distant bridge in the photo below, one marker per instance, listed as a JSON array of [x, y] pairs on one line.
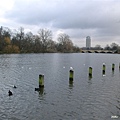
[[98, 51]]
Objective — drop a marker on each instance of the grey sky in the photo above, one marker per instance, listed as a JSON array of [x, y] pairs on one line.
[[99, 19]]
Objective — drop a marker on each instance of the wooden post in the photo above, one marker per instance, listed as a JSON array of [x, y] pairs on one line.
[[71, 75], [103, 69], [113, 67], [41, 81], [119, 66], [90, 72]]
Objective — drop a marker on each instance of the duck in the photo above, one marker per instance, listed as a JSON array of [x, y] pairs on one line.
[[14, 86], [10, 93], [37, 89]]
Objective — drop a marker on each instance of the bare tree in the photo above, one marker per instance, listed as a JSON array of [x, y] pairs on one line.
[[18, 38], [98, 47], [51, 46], [114, 46], [45, 36], [5, 32], [65, 44], [37, 44], [107, 47], [28, 42]]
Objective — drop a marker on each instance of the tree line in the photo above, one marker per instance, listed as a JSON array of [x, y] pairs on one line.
[[111, 47], [18, 41]]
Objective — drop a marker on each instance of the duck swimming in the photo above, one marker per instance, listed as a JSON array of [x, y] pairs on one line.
[[10, 93], [14, 86], [37, 89]]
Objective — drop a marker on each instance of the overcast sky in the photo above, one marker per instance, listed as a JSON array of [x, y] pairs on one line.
[[99, 19]]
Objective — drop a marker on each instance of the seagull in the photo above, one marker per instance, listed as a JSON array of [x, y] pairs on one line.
[[71, 68]]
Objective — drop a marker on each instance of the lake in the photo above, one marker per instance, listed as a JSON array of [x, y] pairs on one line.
[[96, 98]]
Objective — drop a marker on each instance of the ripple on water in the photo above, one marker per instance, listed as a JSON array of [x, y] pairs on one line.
[[95, 99]]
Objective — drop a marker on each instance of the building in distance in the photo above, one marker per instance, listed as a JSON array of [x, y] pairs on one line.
[[88, 42]]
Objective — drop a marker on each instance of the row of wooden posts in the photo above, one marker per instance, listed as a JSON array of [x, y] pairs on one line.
[[103, 69], [71, 75]]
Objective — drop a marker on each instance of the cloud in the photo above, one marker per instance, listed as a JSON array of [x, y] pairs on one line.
[[77, 18], [65, 14], [33, 12]]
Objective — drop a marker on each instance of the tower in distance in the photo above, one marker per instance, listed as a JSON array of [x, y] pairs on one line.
[[88, 42]]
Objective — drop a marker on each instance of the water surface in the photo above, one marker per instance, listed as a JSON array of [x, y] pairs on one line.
[[97, 98]]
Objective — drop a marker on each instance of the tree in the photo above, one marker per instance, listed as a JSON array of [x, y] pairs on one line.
[[7, 40], [114, 46], [18, 41], [107, 47], [20, 37], [76, 49], [5, 35], [98, 47], [27, 46], [1, 39], [65, 44], [37, 44], [11, 49], [45, 36], [51, 46], [5, 32]]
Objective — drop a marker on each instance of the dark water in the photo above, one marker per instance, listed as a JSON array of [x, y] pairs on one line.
[[87, 99]]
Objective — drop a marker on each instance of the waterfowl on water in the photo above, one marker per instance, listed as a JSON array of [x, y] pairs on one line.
[[10, 93], [37, 89], [14, 86]]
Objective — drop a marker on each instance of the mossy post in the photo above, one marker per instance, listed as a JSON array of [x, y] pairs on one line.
[[103, 69], [41, 81], [113, 67], [71, 75], [41, 90], [90, 72]]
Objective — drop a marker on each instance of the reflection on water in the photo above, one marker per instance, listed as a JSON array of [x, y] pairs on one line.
[[84, 98], [41, 91], [70, 84]]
